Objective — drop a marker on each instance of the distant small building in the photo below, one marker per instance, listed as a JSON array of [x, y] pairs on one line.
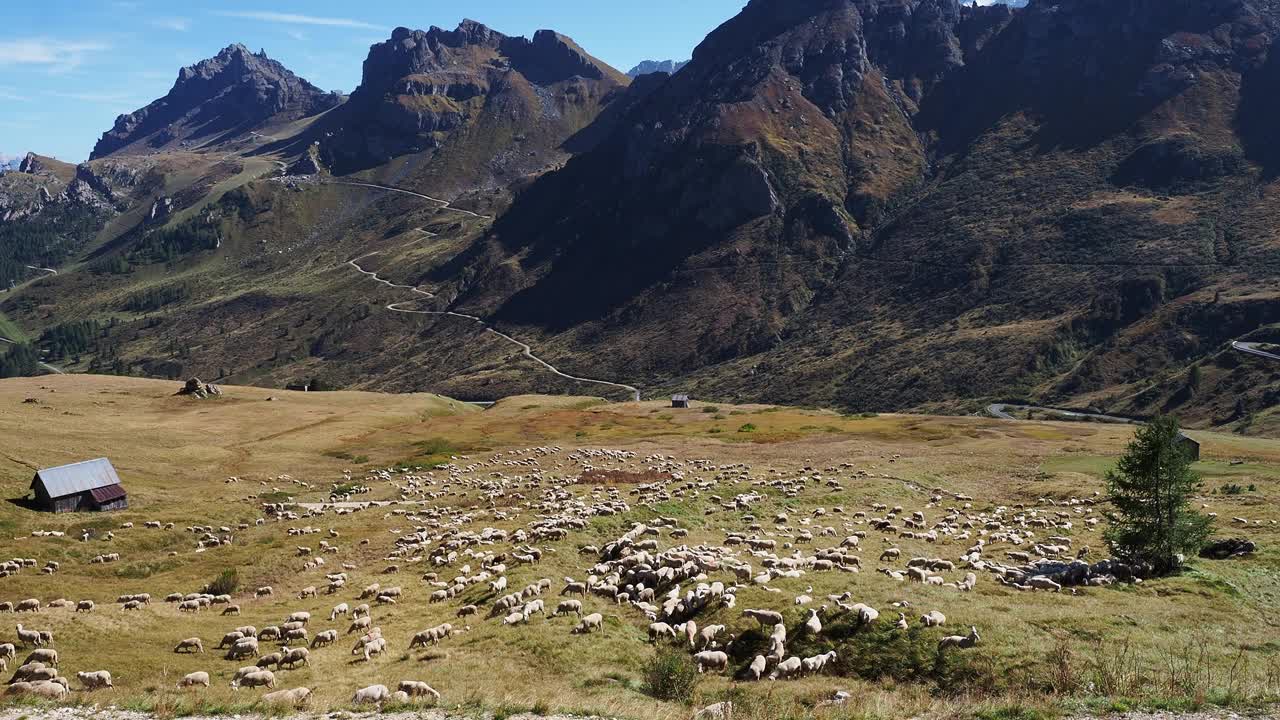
[[89, 486], [680, 401], [1190, 446]]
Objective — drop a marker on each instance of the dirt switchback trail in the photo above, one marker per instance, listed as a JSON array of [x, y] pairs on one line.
[[525, 348]]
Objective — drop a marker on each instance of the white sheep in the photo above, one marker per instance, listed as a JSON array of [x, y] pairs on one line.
[[259, 678], [714, 659], [190, 645], [371, 694], [414, 688], [960, 641], [786, 669], [757, 667], [194, 679], [594, 620], [292, 697], [95, 680], [933, 618]]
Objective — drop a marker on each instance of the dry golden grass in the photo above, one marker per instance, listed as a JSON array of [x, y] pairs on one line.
[[175, 453]]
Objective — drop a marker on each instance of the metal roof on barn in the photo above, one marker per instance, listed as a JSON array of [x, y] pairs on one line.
[[77, 477]]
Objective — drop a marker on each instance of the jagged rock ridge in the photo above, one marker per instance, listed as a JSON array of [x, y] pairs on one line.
[[649, 67], [233, 92]]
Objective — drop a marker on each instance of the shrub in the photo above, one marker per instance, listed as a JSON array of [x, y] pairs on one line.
[[225, 584], [711, 409], [747, 428], [671, 675]]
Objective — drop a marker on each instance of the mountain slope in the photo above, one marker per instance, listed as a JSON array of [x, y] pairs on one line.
[[457, 110], [214, 100]]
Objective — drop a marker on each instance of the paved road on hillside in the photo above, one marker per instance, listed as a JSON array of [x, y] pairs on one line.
[[1252, 349], [46, 366], [525, 349], [999, 411]]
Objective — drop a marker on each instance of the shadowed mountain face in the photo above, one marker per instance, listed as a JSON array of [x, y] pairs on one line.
[[838, 191], [473, 94], [232, 93]]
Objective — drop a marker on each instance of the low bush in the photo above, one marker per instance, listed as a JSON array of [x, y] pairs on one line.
[[671, 675]]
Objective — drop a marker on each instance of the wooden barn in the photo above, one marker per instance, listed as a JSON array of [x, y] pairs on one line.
[[89, 486], [1190, 446]]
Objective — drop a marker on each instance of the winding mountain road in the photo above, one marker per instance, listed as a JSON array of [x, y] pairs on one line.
[[525, 349], [46, 366], [1251, 348]]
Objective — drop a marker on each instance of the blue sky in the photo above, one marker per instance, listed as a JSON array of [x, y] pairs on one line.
[[69, 67]]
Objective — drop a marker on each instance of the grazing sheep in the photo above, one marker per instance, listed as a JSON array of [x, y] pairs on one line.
[[960, 641], [294, 657], [813, 624], [341, 609], [786, 669], [569, 606], [933, 618], [190, 645], [326, 638], [594, 620], [48, 656], [818, 662], [258, 678], [95, 680], [229, 639], [84, 606], [661, 630], [7, 650], [414, 688], [270, 660], [194, 679], [360, 623], [713, 659], [377, 646], [49, 690], [292, 697], [766, 618], [757, 667], [371, 694], [231, 610]]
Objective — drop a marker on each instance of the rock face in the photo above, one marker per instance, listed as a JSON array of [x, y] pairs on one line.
[[649, 67], [235, 91], [200, 391], [421, 91]]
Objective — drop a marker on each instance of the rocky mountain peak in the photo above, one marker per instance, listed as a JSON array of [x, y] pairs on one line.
[[234, 89]]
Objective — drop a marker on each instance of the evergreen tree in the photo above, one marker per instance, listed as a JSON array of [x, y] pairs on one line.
[[1151, 490]]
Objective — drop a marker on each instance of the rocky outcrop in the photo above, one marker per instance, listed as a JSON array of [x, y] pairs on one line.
[[199, 390], [308, 164], [649, 67], [235, 91], [160, 209], [420, 89]]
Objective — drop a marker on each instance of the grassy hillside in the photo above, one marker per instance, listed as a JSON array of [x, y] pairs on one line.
[[1198, 638]]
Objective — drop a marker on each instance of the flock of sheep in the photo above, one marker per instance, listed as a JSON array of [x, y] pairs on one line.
[[650, 573]]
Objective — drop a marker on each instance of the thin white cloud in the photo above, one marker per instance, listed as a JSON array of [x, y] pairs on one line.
[[126, 99], [294, 19], [55, 55], [296, 35], [177, 24]]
